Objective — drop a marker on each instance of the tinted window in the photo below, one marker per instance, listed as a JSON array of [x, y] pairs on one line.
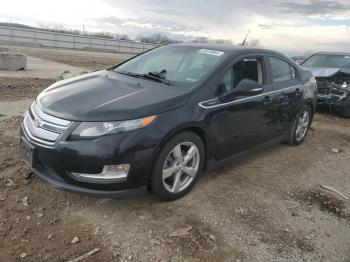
[[248, 68], [227, 81], [281, 70]]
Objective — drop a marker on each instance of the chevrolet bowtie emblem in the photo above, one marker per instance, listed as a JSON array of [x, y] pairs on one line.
[[37, 123]]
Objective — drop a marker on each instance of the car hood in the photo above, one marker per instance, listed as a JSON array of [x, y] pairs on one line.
[[328, 72], [109, 96]]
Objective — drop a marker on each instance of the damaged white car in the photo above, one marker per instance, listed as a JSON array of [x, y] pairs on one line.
[[332, 73]]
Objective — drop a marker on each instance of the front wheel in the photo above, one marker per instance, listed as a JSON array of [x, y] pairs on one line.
[[301, 126], [178, 166]]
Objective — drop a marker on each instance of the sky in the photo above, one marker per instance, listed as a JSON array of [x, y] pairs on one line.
[[284, 25]]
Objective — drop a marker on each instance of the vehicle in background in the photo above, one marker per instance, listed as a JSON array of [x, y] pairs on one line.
[[157, 120], [332, 73]]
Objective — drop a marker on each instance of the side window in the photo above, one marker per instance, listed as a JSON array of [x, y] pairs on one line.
[[281, 70], [227, 80], [248, 68]]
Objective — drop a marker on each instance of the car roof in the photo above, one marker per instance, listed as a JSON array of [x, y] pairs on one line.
[[332, 53], [234, 49]]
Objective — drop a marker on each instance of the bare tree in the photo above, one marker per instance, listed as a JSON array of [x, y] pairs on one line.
[[101, 35], [200, 39], [222, 41], [157, 38], [203, 39], [254, 42], [54, 27], [122, 37]]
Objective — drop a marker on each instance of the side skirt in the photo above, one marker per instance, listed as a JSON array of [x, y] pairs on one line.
[[213, 164]]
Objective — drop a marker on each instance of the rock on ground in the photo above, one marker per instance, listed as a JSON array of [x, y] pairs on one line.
[[12, 61]]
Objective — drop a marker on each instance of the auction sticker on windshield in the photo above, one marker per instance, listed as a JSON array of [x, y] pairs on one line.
[[211, 52]]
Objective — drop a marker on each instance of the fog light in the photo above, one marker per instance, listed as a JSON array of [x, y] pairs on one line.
[[110, 173]]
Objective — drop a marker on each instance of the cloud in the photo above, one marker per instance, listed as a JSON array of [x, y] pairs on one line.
[[313, 7], [279, 24], [146, 26]]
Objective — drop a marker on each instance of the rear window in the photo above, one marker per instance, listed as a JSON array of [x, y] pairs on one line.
[[281, 70]]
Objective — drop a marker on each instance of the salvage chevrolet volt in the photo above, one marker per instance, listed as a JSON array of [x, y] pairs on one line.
[[156, 121], [332, 73]]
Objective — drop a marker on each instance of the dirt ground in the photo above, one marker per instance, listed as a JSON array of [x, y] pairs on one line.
[[12, 89], [88, 60], [265, 207]]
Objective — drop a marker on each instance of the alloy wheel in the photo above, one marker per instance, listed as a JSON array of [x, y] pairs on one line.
[[302, 125], [180, 167]]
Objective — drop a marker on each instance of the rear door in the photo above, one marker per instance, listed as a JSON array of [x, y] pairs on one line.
[[284, 94]]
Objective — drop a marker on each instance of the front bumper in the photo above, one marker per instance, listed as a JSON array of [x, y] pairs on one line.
[[334, 100], [56, 182], [54, 164]]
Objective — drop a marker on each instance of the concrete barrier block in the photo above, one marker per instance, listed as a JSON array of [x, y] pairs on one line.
[[12, 61]]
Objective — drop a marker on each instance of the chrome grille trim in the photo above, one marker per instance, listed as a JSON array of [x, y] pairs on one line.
[[38, 135], [42, 128], [48, 118]]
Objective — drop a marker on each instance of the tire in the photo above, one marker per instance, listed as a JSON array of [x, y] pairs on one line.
[[170, 179], [296, 138]]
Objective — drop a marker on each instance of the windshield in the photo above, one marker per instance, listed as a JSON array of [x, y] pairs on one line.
[[328, 61], [181, 64]]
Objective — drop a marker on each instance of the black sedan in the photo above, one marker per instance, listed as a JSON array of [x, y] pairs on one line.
[[158, 120]]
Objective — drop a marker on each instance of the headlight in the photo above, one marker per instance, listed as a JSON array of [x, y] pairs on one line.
[[345, 85], [95, 129]]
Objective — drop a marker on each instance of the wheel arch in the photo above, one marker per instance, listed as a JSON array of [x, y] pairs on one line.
[[199, 130], [312, 106]]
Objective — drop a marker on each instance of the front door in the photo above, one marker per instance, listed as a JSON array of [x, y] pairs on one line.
[[240, 124]]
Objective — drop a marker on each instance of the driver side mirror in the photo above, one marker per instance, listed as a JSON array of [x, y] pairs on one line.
[[246, 87]]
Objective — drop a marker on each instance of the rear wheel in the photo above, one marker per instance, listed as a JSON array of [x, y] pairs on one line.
[[301, 126], [178, 166]]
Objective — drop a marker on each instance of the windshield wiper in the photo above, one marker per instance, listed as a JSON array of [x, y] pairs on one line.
[[159, 76], [155, 76]]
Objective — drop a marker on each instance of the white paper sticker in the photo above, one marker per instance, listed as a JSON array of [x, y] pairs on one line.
[[211, 52]]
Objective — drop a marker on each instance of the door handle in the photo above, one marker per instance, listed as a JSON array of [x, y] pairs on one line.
[[267, 100]]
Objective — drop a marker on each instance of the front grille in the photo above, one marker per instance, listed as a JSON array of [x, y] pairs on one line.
[[323, 91], [43, 128], [337, 92], [324, 87]]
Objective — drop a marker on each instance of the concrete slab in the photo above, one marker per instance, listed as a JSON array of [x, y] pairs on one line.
[[40, 68], [12, 61]]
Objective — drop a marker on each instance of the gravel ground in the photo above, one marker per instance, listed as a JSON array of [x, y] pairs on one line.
[[265, 207], [12, 89]]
